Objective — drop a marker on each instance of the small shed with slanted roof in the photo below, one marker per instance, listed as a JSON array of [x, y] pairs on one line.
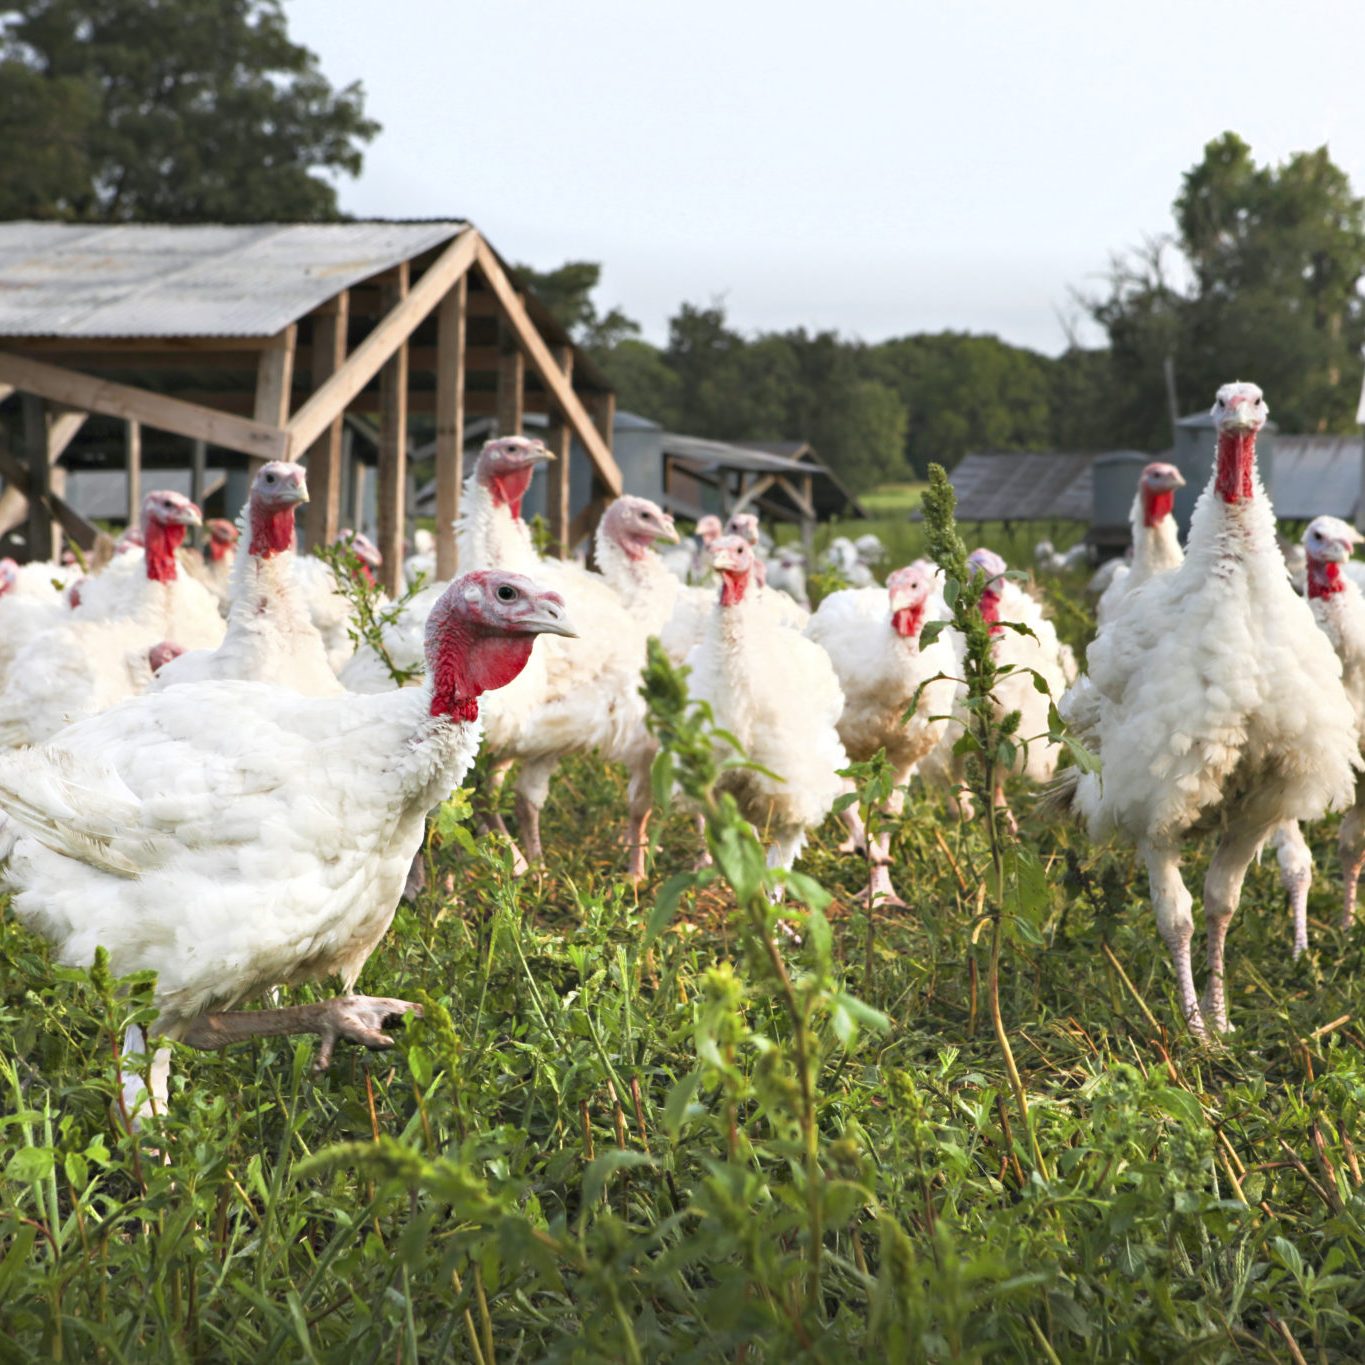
[[255, 343]]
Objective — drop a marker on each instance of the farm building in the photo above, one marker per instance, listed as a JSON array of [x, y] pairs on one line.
[[691, 476], [140, 348]]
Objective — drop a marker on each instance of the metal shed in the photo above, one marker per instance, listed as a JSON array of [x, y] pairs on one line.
[[1314, 475], [259, 340], [1023, 487]]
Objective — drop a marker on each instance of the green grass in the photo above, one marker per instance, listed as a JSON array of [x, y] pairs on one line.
[[592, 1149]]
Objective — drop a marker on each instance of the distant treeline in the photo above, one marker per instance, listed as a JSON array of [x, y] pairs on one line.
[[1260, 281], [113, 114]]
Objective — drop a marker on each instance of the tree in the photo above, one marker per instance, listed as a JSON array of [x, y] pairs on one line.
[[197, 110], [567, 292], [1274, 256]]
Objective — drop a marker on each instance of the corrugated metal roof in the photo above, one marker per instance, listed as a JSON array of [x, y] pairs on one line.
[[1316, 475], [1023, 487], [155, 280]]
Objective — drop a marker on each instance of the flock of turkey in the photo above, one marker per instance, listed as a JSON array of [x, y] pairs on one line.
[[202, 772]]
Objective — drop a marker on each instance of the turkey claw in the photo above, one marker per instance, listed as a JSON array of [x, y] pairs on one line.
[[361, 1018]]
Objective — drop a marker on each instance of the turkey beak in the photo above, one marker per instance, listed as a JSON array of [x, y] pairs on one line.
[[539, 455], [1177, 478], [548, 617], [295, 492], [670, 532], [186, 516]]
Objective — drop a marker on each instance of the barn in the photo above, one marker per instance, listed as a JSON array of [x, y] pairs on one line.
[[140, 348]]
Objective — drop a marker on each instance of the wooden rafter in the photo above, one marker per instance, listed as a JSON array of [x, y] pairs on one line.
[[84, 391], [331, 399], [538, 354]]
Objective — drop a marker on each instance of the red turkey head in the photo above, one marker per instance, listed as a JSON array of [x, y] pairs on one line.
[[1239, 412], [276, 492], [480, 633], [1158, 484], [745, 525], [506, 466], [984, 563], [166, 515], [222, 538], [709, 530], [161, 654], [909, 590], [1328, 543], [635, 524], [9, 575], [733, 559]]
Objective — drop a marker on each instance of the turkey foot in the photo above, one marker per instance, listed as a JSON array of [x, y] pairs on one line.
[[361, 1018], [879, 892]]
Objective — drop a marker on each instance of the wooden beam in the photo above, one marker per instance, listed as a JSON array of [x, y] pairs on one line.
[[133, 445], [139, 345], [38, 523], [154, 409], [61, 431], [393, 449], [324, 455], [753, 491], [451, 320], [274, 378], [199, 469], [559, 440], [329, 401], [511, 387], [75, 525], [538, 353]]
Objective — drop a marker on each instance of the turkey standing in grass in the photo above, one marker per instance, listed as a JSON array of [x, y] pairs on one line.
[[1156, 542], [776, 692], [872, 638], [1220, 707], [270, 635], [235, 836], [1339, 610]]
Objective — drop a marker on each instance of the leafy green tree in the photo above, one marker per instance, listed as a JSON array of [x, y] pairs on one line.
[[201, 110], [1274, 256], [567, 292]]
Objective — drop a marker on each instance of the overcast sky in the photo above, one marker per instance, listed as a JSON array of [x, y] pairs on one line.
[[876, 168]]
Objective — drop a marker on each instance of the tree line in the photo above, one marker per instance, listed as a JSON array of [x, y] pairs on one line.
[[114, 113]]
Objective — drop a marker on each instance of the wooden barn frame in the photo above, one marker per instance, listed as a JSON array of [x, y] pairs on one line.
[[391, 343]]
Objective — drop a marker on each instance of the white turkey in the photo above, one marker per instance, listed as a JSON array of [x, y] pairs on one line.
[[329, 608], [584, 700], [214, 570], [30, 603], [98, 656], [781, 606], [1220, 708], [691, 560], [1156, 540], [777, 693], [270, 636], [235, 836], [1339, 609], [872, 638], [787, 573]]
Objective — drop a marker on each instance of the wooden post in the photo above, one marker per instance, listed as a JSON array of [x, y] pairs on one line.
[[324, 455], [559, 439], [393, 445], [274, 379], [199, 471], [132, 444], [38, 524], [511, 384], [450, 361]]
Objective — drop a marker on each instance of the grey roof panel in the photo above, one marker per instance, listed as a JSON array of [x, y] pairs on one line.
[[1023, 487], [153, 280], [1316, 475]]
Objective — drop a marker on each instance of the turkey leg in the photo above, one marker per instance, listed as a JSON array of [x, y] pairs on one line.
[[1222, 892], [361, 1018], [879, 888], [640, 798], [1296, 876], [533, 790], [1352, 847], [1171, 901]]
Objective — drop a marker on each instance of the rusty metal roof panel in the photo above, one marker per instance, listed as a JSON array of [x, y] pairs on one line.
[[1316, 475], [203, 280]]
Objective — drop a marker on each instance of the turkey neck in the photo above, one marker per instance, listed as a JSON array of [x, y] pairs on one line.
[[490, 535], [464, 663], [1156, 543], [263, 579], [1325, 578], [160, 542], [1235, 477], [906, 622]]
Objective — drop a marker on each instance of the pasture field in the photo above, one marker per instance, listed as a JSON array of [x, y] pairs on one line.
[[640, 1127]]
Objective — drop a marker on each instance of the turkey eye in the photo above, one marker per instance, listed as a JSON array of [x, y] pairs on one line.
[[507, 594]]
